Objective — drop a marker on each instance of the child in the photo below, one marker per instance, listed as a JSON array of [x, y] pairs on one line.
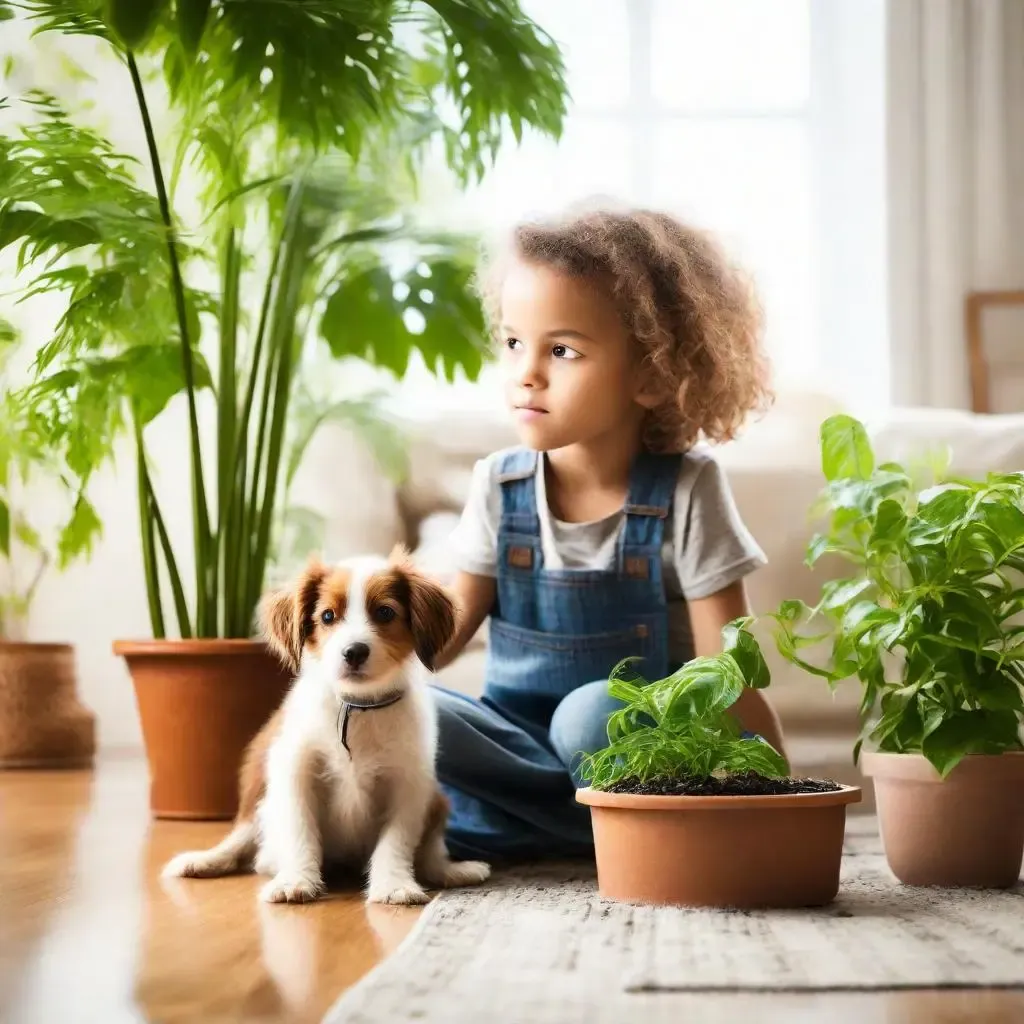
[[624, 336]]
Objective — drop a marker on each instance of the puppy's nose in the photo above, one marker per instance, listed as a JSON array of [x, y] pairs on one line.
[[356, 654]]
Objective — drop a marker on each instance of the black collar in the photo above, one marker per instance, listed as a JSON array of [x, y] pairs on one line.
[[349, 704]]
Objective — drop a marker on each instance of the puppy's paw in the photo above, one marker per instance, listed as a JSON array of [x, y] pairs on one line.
[[292, 887], [466, 872], [194, 864], [263, 865], [403, 894]]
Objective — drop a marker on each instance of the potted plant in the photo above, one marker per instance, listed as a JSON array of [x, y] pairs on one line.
[[269, 219], [43, 724], [684, 806], [931, 625]]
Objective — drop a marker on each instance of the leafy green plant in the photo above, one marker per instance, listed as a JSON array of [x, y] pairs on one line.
[[680, 726], [273, 221], [931, 623], [29, 547]]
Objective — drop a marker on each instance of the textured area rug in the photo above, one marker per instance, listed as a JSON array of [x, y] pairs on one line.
[[540, 945]]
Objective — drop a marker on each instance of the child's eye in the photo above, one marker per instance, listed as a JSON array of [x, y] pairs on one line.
[[512, 344], [564, 352]]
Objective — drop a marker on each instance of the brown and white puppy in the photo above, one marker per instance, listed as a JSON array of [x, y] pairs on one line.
[[361, 633]]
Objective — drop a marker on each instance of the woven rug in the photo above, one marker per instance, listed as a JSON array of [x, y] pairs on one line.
[[540, 945]]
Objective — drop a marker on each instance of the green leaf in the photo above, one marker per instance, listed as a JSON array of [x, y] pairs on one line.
[[819, 545], [971, 732], [191, 17], [836, 594], [5, 529], [133, 20], [845, 449], [78, 535], [744, 649], [27, 535], [431, 308], [153, 375], [945, 508], [6, 14], [889, 525], [1001, 693]]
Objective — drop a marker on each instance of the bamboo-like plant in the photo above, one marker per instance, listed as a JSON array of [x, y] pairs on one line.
[[298, 129]]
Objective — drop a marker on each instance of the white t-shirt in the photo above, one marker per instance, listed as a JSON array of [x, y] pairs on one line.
[[707, 546]]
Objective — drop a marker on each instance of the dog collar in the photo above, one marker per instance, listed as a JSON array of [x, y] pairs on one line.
[[349, 704]]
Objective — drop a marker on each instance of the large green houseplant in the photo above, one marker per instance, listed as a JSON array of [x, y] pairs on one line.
[[931, 623], [268, 216], [42, 721]]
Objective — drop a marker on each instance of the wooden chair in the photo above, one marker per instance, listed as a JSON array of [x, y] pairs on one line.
[[974, 307]]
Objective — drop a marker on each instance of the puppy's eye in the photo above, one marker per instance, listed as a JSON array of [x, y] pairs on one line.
[[327, 616], [384, 613]]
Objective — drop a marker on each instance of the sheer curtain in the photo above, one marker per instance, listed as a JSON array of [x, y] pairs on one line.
[[956, 174]]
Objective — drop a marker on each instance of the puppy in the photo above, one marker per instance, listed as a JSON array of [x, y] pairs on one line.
[[343, 773]]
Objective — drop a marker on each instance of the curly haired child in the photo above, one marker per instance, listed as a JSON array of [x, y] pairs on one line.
[[626, 339]]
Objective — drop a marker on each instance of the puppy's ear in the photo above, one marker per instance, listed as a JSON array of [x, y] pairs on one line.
[[286, 616], [432, 613]]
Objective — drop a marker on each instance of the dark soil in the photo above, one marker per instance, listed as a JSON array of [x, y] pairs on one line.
[[747, 784]]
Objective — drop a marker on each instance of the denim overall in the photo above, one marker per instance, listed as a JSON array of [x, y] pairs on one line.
[[504, 761]]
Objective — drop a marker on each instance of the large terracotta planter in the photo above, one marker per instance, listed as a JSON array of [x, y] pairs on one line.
[[964, 830], [42, 722], [200, 702], [721, 851]]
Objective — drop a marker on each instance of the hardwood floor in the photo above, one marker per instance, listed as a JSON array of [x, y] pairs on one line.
[[90, 932]]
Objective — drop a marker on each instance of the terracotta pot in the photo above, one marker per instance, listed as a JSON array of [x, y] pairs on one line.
[[200, 702], [42, 722], [964, 830], [719, 851]]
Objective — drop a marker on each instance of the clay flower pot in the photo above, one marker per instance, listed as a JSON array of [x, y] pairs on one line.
[[200, 702], [964, 830], [719, 851], [42, 722]]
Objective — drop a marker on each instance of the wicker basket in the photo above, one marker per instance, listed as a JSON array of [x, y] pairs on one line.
[[42, 722]]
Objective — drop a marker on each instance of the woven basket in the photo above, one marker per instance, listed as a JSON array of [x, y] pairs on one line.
[[42, 722]]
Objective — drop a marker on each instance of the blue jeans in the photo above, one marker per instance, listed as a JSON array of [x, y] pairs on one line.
[[511, 787]]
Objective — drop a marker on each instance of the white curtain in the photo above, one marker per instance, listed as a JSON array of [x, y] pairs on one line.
[[955, 98]]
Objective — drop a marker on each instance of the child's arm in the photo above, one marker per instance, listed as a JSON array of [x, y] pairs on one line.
[[708, 616], [474, 597]]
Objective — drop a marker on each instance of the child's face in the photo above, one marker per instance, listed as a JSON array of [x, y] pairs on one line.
[[570, 376]]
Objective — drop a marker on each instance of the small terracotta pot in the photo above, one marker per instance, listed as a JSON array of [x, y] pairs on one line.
[[200, 702], [719, 851], [43, 724], [965, 830]]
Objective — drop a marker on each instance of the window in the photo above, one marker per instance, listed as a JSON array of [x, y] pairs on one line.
[[760, 119]]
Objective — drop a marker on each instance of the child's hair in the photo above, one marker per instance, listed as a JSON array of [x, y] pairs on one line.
[[693, 313]]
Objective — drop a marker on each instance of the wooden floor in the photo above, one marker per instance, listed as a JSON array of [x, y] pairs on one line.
[[90, 932]]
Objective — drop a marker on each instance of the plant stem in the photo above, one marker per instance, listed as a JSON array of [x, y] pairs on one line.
[[278, 346], [227, 412], [155, 519], [180, 604], [201, 517], [240, 513], [156, 617], [286, 337]]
